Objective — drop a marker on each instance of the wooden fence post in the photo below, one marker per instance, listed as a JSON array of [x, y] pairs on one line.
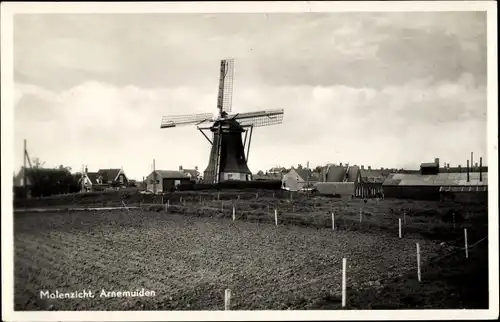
[[227, 300], [418, 263], [344, 282], [466, 246]]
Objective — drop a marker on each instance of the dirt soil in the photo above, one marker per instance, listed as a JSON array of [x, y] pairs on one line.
[[192, 253]]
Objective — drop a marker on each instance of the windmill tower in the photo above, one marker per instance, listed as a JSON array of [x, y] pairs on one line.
[[227, 160]]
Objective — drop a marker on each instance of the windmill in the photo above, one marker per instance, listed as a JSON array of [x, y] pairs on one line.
[[227, 160]]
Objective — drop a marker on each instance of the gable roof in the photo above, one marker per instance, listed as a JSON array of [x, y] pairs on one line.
[[335, 173], [93, 177], [306, 174], [109, 174], [353, 173], [170, 174]]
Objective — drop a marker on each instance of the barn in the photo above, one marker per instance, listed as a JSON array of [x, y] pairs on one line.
[[431, 183], [441, 186], [166, 180]]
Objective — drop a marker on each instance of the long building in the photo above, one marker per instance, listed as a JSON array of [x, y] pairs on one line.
[[431, 184]]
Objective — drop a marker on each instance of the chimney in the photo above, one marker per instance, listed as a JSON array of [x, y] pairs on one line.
[[180, 168], [436, 160], [369, 167], [476, 166], [471, 160], [340, 163], [480, 169], [459, 168], [467, 170], [86, 170]]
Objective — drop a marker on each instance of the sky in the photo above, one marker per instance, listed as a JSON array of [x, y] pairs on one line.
[[374, 89]]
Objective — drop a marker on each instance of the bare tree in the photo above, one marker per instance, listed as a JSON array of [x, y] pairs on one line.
[[67, 168], [37, 163]]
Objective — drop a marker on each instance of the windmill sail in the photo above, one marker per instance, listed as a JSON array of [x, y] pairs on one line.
[[261, 118], [179, 120], [225, 97]]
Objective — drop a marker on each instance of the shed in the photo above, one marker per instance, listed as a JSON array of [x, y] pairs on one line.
[[166, 180]]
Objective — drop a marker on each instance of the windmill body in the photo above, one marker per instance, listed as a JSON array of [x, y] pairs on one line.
[[230, 133]]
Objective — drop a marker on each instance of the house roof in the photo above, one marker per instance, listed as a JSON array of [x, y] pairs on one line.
[[171, 174], [335, 173], [353, 173], [193, 172], [109, 174], [372, 176], [440, 179], [306, 174], [93, 177], [429, 165]]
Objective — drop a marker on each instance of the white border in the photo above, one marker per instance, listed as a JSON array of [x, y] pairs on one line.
[[9, 9]]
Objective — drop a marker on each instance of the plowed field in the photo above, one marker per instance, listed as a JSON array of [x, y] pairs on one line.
[[188, 261]]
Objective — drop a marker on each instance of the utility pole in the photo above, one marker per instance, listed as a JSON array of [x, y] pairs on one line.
[[83, 177], [24, 168], [307, 177], [154, 177]]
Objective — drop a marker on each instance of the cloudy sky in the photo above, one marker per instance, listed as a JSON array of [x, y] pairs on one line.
[[379, 89]]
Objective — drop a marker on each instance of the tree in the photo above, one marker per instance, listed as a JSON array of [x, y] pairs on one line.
[[260, 173], [61, 167], [299, 166], [37, 163]]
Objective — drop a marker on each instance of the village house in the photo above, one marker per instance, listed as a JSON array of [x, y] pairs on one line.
[[193, 174], [297, 179], [369, 183], [276, 171], [104, 179], [347, 180], [338, 180]]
